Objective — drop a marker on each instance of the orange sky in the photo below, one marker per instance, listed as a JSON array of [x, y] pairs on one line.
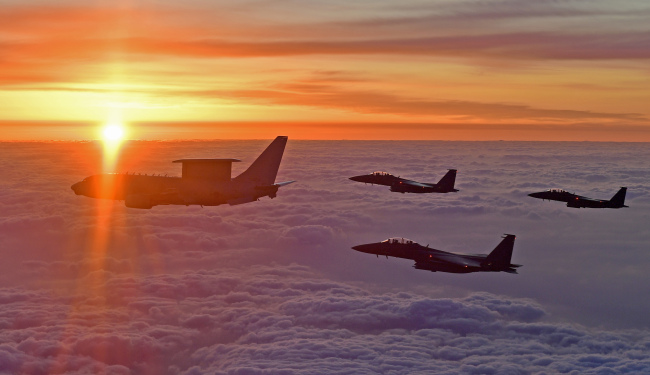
[[510, 69]]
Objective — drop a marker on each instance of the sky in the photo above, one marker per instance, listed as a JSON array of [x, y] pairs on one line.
[[273, 286], [438, 70], [507, 92]]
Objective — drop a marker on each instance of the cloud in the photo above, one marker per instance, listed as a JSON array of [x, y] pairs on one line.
[[370, 102], [41, 43], [91, 286], [159, 61], [515, 46], [284, 319], [51, 234]]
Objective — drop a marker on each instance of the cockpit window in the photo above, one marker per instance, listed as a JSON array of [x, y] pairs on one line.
[[379, 173], [398, 240], [556, 191]]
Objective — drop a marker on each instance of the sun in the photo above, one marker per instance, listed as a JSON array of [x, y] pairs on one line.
[[113, 136], [113, 132]]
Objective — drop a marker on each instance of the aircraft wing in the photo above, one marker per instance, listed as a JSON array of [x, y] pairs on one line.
[[589, 199], [456, 260], [414, 184]]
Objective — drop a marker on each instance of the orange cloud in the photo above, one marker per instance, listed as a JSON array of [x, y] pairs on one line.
[[168, 53], [321, 95]]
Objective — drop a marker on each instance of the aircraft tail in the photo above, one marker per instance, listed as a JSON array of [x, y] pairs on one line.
[[501, 255], [448, 180], [618, 200], [265, 167]]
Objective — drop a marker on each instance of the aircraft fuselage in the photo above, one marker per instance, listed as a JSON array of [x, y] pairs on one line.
[[204, 182], [403, 185], [430, 259], [578, 201], [143, 190]]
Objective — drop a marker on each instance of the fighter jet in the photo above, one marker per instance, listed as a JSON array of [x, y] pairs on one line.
[[204, 182], [434, 260], [402, 185], [578, 201]]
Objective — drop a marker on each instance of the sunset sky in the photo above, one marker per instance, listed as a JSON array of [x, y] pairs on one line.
[[198, 69], [273, 286]]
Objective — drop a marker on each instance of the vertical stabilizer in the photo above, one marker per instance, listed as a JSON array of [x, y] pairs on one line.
[[448, 180], [501, 255], [265, 167], [618, 200]]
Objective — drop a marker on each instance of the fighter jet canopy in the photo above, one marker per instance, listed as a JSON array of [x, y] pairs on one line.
[[555, 190], [398, 240], [380, 173]]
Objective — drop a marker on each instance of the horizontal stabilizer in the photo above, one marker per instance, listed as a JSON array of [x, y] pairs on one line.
[[285, 183]]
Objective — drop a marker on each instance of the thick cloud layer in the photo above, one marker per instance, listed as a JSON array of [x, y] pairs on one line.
[[273, 286], [283, 319]]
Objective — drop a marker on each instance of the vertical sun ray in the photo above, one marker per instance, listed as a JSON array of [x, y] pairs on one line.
[[112, 135]]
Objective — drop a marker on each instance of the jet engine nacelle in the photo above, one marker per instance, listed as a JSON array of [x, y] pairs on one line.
[[420, 266], [397, 188], [443, 268], [138, 201], [574, 204]]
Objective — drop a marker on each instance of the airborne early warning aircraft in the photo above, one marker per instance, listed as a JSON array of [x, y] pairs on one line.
[[578, 201], [204, 182], [434, 260], [402, 185]]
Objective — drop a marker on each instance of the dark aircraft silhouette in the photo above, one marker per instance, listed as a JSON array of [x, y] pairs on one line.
[[578, 201], [204, 182], [434, 260], [402, 185]]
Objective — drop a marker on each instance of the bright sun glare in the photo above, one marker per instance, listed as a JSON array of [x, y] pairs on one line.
[[113, 132], [113, 135]]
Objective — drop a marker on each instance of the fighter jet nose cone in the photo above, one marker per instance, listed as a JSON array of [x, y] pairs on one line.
[[362, 248], [365, 248]]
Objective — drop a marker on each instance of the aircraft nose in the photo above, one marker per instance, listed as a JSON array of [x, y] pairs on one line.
[[367, 248], [76, 188], [355, 178]]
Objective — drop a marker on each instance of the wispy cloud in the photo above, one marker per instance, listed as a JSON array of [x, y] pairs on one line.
[[322, 95], [155, 51]]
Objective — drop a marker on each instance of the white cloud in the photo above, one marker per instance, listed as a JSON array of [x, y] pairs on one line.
[[283, 319], [273, 285]]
